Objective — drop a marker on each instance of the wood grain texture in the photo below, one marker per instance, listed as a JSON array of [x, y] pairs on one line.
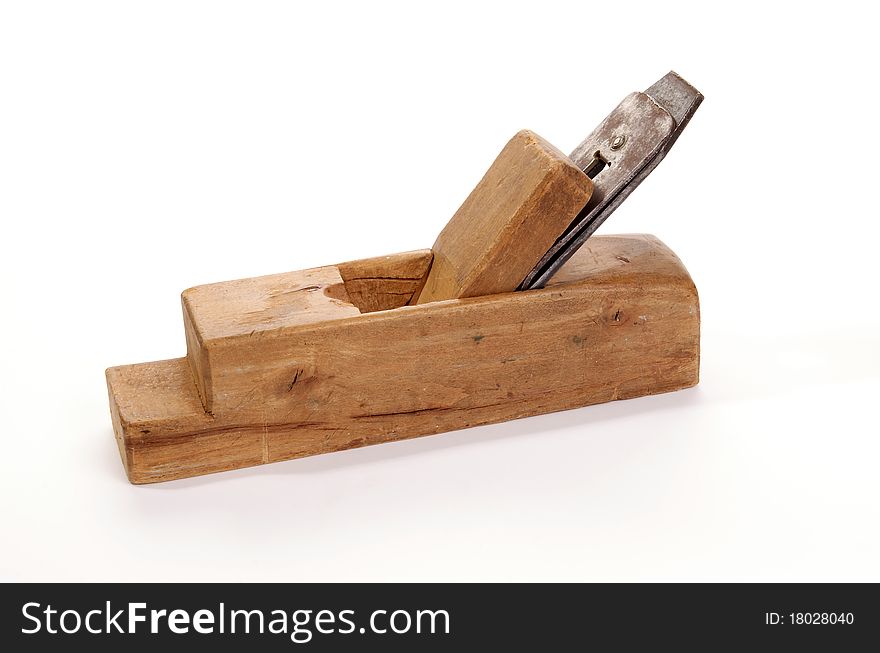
[[620, 320], [250, 307], [526, 199], [385, 282]]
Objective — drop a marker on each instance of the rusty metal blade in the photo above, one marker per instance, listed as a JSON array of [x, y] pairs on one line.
[[632, 140]]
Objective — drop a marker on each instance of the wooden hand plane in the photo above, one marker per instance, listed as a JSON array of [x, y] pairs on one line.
[[512, 313]]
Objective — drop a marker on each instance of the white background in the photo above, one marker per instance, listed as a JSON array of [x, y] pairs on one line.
[[148, 147]]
